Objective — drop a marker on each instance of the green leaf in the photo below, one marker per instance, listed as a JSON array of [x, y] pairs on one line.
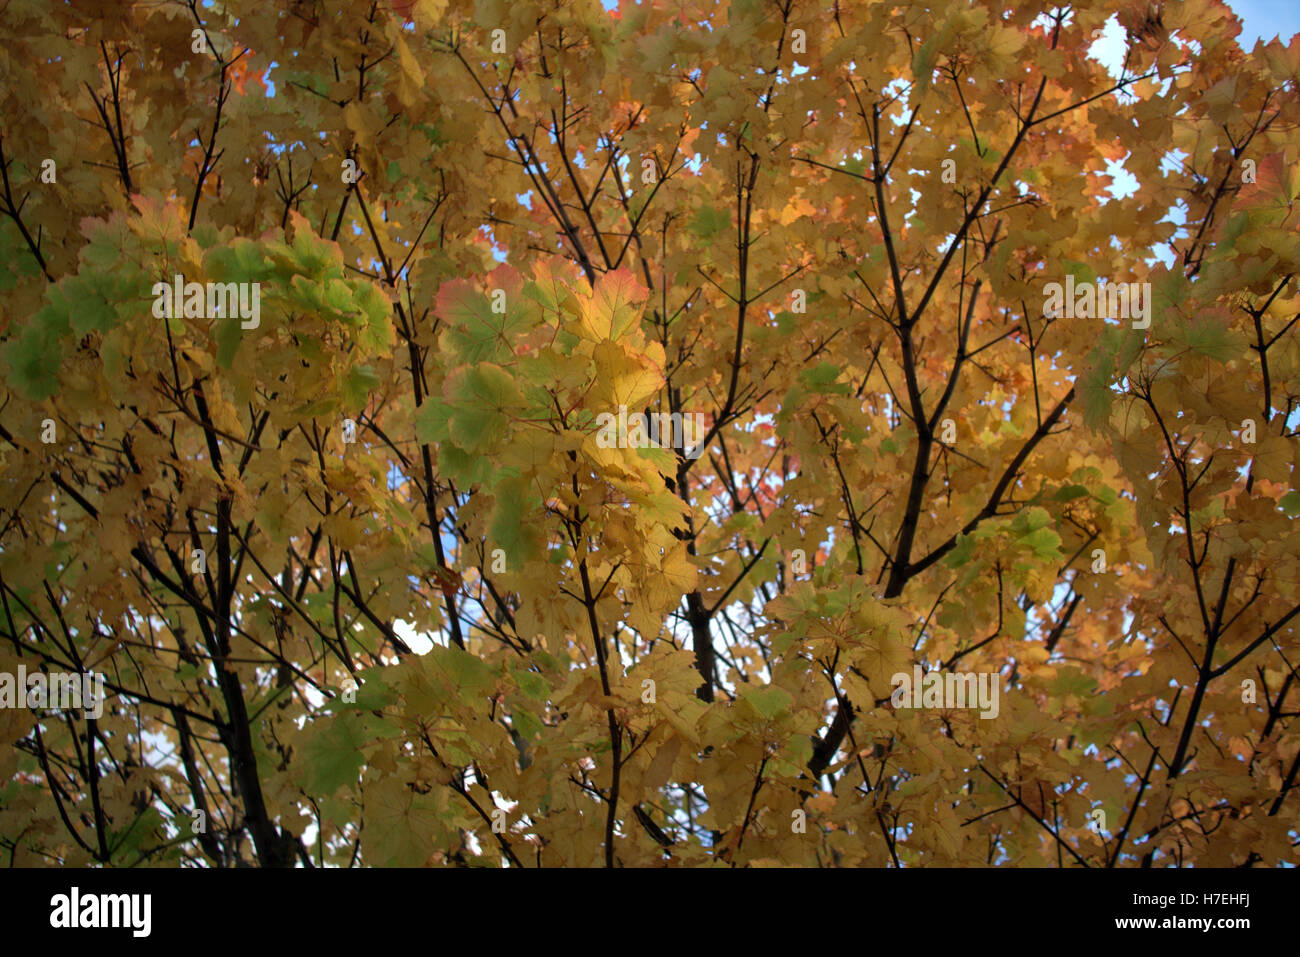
[[821, 379], [241, 261], [532, 684], [1290, 503], [468, 674], [767, 700], [923, 62], [1095, 395], [1072, 681], [228, 335], [1210, 336], [34, 361], [1082, 272], [319, 258], [376, 314], [88, 295], [527, 724], [358, 384], [1068, 493], [1031, 519], [1045, 542], [431, 421], [187, 671], [510, 528], [961, 553], [708, 222], [127, 844], [474, 332], [337, 295], [332, 756]]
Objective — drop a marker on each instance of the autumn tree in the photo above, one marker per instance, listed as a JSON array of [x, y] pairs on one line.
[[314, 314]]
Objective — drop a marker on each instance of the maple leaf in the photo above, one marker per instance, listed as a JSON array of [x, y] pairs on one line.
[[365, 560]]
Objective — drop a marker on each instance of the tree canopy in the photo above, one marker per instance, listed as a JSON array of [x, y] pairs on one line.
[[965, 354]]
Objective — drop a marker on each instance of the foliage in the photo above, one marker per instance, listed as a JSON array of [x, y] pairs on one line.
[[826, 229]]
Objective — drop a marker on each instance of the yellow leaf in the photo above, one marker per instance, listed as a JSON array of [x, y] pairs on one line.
[[410, 76], [661, 766], [797, 207]]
